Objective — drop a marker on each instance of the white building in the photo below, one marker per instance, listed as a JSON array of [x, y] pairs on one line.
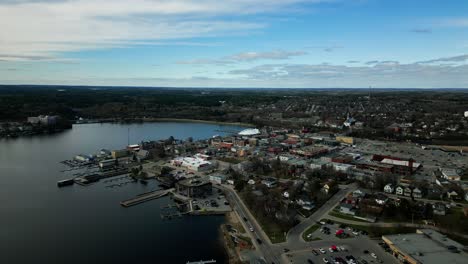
[[450, 174], [389, 188], [192, 163], [342, 167]]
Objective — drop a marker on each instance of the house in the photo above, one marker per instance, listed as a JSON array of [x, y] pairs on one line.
[[270, 182], [439, 209], [381, 199], [346, 208], [305, 202], [399, 190], [327, 187], [451, 194], [417, 193], [407, 192], [359, 193], [389, 188]]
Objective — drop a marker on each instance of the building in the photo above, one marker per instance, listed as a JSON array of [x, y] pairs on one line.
[[400, 166], [194, 187], [439, 209], [389, 188], [192, 163], [270, 182], [399, 190], [450, 174], [342, 167], [425, 246], [417, 193], [346, 208], [43, 120], [381, 199], [305, 202], [346, 140], [219, 179], [119, 153], [407, 192], [105, 164]]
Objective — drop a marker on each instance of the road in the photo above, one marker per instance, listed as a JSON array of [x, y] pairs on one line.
[[294, 235], [265, 249], [272, 253]]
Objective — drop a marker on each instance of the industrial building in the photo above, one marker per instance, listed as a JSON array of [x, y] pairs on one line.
[[194, 187], [425, 246]]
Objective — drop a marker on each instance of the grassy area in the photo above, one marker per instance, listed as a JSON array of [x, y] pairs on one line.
[[309, 231], [346, 217], [273, 230]]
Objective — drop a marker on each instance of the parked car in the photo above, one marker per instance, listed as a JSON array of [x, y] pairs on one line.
[[373, 255], [322, 251], [259, 240], [325, 260]]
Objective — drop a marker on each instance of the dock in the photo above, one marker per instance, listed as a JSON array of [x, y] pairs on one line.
[[202, 262], [145, 197]]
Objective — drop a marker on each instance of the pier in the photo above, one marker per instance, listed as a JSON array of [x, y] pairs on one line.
[[145, 197], [202, 262]]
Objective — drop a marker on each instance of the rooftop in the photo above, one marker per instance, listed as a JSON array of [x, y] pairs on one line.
[[428, 246]]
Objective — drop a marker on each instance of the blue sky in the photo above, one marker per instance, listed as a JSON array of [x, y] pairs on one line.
[[256, 43]]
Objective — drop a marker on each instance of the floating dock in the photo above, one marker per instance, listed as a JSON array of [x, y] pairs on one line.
[[145, 197], [66, 182]]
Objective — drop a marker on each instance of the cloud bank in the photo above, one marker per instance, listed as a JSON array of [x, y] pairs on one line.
[[43, 29]]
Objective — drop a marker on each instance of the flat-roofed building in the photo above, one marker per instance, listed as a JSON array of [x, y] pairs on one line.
[[425, 246], [194, 187]]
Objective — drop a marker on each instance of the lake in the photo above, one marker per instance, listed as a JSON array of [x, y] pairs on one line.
[[40, 223]]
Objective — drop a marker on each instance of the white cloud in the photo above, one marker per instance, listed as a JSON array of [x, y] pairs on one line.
[[38, 28], [247, 57], [454, 22]]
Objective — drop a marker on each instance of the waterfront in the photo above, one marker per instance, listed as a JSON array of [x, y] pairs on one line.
[[42, 223]]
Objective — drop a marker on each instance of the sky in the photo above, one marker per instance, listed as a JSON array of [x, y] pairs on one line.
[[235, 43]]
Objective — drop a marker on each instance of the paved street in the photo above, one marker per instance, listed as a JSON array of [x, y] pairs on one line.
[[295, 234], [272, 253], [264, 249]]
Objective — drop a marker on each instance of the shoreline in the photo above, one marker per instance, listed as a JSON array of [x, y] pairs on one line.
[[162, 120], [197, 121]]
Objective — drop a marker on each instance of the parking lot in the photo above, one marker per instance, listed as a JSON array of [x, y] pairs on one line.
[[213, 203], [360, 250], [353, 247]]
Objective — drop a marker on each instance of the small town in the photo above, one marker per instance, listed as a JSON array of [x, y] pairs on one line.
[[292, 196]]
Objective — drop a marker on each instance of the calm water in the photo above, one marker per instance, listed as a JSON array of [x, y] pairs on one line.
[[40, 223]]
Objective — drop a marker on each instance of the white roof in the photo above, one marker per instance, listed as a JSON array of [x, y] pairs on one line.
[[400, 162], [249, 132]]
